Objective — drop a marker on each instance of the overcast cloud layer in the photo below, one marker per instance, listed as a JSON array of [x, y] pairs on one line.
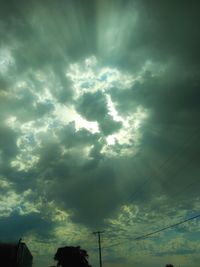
[[99, 128]]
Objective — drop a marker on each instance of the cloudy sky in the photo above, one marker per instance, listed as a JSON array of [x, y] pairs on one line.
[[99, 128]]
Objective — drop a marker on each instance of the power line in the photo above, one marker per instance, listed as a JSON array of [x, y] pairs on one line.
[[157, 231], [182, 190], [167, 227], [164, 164]]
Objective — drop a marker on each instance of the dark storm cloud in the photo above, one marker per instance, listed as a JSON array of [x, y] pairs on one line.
[[169, 30], [163, 31], [51, 153], [97, 185], [178, 251], [8, 145], [69, 137], [65, 93], [29, 22], [109, 126], [3, 84], [167, 34], [8, 150], [154, 37], [40, 43], [24, 106], [179, 91], [17, 226], [82, 179], [93, 106], [72, 170]]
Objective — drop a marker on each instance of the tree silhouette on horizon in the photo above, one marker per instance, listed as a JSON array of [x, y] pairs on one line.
[[71, 257]]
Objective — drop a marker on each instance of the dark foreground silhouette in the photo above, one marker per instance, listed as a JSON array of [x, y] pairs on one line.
[[71, 257], [15, 255]]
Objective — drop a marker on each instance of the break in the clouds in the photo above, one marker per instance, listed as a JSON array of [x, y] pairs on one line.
[[100, 128]]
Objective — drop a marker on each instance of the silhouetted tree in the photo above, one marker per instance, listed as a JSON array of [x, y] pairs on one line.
[[71, 257]]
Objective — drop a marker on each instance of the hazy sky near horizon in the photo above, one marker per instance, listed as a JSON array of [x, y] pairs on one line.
[[99, 128]]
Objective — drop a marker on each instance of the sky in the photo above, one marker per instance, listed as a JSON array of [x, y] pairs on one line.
[[99, 128]]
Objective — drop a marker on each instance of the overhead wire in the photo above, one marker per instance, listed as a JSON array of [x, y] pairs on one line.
[[148, 179], [177, 172], [155, 232]]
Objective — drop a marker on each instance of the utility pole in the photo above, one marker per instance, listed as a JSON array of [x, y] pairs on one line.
[[99, 239]]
